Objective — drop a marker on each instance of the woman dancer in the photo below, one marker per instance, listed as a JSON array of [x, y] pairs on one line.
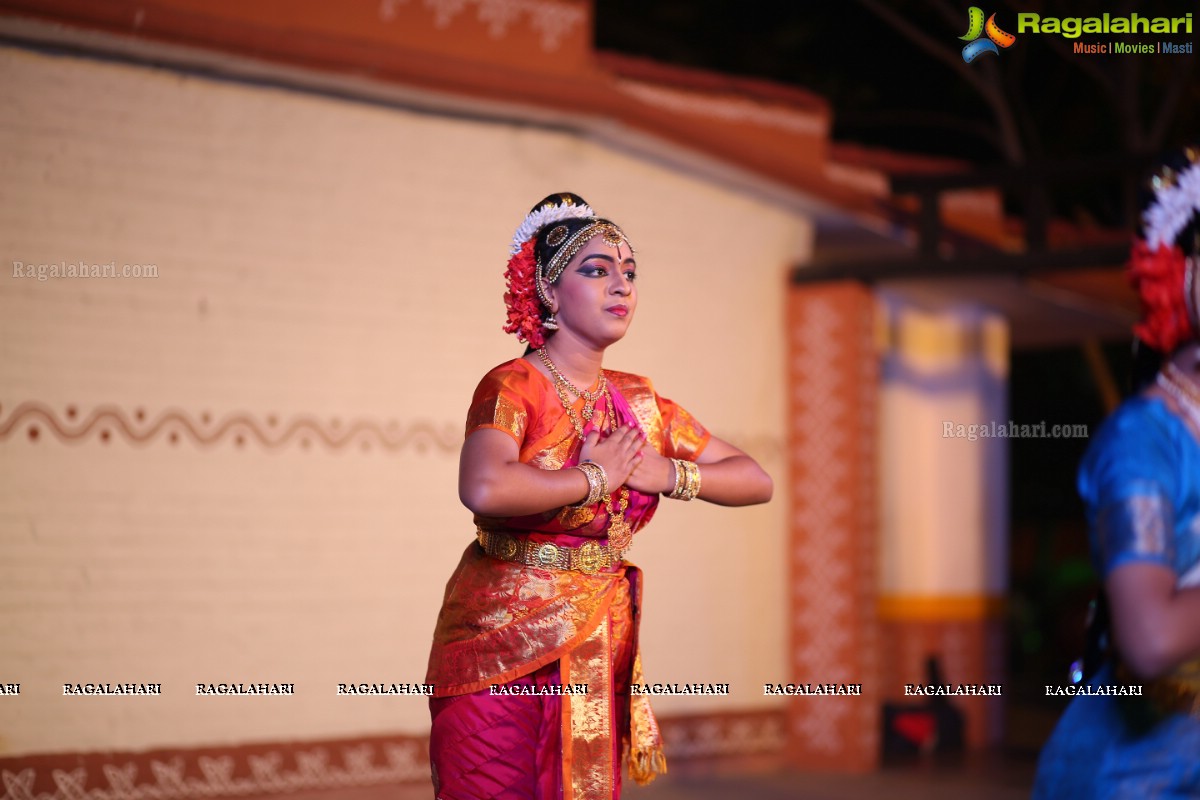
[[563, 463], [1140, 481]]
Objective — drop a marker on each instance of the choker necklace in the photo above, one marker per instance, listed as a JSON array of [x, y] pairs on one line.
[[575, 390], [620, 534]]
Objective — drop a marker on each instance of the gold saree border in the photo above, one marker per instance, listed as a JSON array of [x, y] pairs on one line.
[[587, 742], [646, 758]]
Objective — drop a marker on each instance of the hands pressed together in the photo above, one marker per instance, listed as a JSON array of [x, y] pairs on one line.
[[629, 459]]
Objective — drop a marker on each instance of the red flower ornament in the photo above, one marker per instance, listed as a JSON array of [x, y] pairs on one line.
[[1158, 275], [524, 307]]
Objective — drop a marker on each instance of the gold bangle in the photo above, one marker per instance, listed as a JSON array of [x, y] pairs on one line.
[[593, 479], [677, 465], [693, 486], [602, 476], [687, 480], [597, 483]]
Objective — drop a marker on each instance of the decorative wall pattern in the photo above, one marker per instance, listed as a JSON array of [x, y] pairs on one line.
[[105, 423], [721, 735], [285, 769], [277, 769], [833, 377]]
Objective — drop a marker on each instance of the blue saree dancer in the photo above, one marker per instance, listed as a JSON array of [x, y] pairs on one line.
[[1140, 482]]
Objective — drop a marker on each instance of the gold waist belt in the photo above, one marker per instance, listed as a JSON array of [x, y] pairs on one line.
[[1171, 694], [1176, 692], [1179, 691], [589, 558]]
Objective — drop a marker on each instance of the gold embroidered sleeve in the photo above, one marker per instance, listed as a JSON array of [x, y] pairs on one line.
[[500, 403], [504, 415], [683, 435]]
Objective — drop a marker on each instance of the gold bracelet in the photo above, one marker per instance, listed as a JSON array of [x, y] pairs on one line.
[[597, 483], [693, 487], [677, 465], [687, 480]]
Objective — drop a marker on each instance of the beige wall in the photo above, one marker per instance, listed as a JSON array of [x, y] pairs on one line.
[[322, 260]]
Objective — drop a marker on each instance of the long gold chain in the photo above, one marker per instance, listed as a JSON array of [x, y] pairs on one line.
[[620, 534]]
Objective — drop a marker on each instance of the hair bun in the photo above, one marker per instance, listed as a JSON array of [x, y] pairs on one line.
[[560, 199], [553, 208]]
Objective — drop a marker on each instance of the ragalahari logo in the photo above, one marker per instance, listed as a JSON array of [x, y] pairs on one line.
[[975, 28]]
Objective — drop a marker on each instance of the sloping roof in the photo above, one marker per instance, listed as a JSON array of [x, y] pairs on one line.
[[538, 55]]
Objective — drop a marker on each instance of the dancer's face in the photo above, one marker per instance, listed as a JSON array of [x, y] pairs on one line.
[[596, 294]]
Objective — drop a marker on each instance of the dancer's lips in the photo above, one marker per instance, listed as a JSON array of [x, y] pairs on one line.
[[618, 310]]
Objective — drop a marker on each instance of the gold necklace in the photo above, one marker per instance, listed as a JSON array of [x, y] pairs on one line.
[[562, 386], [575, 390]]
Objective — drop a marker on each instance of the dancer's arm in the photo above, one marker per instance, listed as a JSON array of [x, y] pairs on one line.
[[1156, 626], [728, 476], [493, 482]]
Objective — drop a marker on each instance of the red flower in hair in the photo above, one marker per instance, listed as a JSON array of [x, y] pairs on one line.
[[524, 307], [1158, 277]]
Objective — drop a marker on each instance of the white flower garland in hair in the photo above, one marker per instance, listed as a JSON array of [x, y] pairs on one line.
[[1173, 206], [544, 216]]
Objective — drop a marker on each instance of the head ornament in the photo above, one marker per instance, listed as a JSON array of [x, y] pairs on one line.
[[1163, 260], [551, 234]]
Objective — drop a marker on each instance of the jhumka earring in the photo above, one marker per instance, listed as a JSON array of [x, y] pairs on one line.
[[550, 323]]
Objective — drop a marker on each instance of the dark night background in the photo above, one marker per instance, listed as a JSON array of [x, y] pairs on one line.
[[888, 91], [889, 88]]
